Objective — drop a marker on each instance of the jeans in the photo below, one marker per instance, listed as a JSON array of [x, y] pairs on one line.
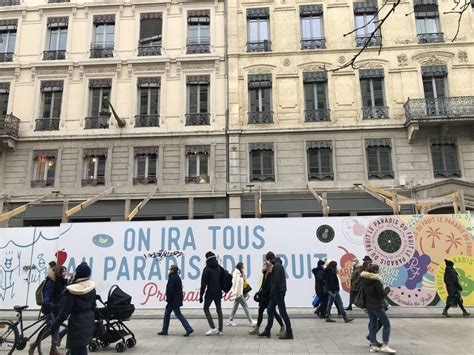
[[240, 300], [81, 350], [278, 299], [177, 312], [337, 299], [262, 309], [323, 303], [376, 315], [207, 304], [54, 337]]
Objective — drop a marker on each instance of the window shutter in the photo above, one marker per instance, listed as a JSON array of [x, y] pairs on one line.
[[101, 167], [437, 156], [203, 164], [150, 29], [192, 165], [385, 159], [141, 161]]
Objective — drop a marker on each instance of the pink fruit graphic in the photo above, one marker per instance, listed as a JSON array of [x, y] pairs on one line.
[[346, 269], [419, 297], [358, 228]]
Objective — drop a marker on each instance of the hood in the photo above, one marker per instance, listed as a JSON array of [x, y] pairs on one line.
[[81, 288], [370, 276], [212, 263]]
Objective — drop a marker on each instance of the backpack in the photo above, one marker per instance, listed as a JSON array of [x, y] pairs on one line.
[[226, 280], [359, 299], [39, 293]]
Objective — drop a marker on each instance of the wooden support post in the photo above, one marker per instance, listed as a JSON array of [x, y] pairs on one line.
[[258, 213], [462, 203], [2, 204], [7, 215], [141, 204], [126, 211], [64, 218], [396, 207], [455, 202], [324, 204], [191, 207], [88, 202]]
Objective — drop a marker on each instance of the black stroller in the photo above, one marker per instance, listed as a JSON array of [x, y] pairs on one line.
[[109, 326]]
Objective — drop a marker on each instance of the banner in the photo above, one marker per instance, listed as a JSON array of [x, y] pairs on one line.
[[137, 255]]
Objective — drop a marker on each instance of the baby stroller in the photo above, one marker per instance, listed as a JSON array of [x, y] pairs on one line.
[[109, 326]]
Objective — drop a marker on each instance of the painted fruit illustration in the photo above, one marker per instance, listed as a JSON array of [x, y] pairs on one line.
[[389, 241], [61, 256], [346, 269], [354, 229], [357, 228], [419, 297]]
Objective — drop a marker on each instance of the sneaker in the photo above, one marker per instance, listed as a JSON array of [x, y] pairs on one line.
[[188, 333], [220, 333], [387, 349], [231, 323], [445, 313], [162, 333], [466, 314], [252, 324], [376, 342], [374, 349], [212, 331]]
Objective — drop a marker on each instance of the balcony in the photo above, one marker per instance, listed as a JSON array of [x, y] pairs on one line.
[[317, 115], [259, 46], [320, 176], [381, 174], [147, 120], [9, 126], [101, 121], [198, 45], [197, 119], [261, 117], [262, 177], [313, 43], [144, 180], [47, 124], [374, 113], [6, 57], [42, 183], [431, 37], [102, 50], [54, 55], [100, 180], [201, 179], [149, 50], [375, 41]]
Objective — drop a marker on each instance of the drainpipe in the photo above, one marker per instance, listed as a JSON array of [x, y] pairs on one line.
[[226, 94]]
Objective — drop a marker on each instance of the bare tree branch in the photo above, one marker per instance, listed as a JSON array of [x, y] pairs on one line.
[[459, 8]]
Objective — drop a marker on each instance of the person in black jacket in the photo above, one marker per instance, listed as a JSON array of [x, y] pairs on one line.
[[277, 297], [320, 289], [332, 286], [174, 300], [78, 304], [451, 280], [211, 289]]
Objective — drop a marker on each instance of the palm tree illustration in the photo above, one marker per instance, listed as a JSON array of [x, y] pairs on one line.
[[433, 234], [453, 241]]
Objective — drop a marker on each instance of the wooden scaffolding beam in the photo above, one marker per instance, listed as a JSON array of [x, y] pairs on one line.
[[87, 203], [141, 204], [323, 200], [7, 215]]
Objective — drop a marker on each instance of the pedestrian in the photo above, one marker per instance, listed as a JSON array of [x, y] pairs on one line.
[[78, 304], [263, 297], [238, 289], [375, 294], [355, 279], [277, 297], [454, 289], [211, 290], [332, 285], [320, 288], [174, 302]]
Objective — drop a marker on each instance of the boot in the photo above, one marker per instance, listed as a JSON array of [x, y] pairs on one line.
[[288, 335], [59, 341], [445, 313], [254, 331], [282, 331], [347, 319], [266, 333], [466, 313], [54, 351], [32, 348], [329, 319], [349, 308]]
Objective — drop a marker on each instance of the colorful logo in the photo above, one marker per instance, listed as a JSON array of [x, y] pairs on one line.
[[103, 240]]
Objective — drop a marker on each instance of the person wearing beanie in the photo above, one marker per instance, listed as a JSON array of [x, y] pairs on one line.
[[78, 304], [451, 280], [320, 288], [211, 291]]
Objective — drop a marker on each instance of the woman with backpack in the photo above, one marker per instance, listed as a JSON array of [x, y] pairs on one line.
[[332, 286], [240, 288]]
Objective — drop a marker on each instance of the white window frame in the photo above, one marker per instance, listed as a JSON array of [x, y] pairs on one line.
[[36, 168], [147, 162]]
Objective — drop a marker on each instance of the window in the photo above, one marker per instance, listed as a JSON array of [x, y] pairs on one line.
[[315, 96], [104, 32], [261, 162], [198, 100], [51, 98], [258, 29], [44, 164], [145, 166], [148, 102], [151, 25], [435, 89], [371, 88], [320, 160], [94, 167], [445, 157], [57, 1], [198, 40], [427, 22], [379, 158], [260, 98], [99, 94], [7, 39], [197, 160], [312, 32], [57, 38], [9, 2], [366, 22], [4, 95]]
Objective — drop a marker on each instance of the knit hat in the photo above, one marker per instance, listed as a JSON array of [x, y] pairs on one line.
[[448, 262], [52, 264], [270, 256], [83, 271], [367, 258], [321, 262], [210, 255]]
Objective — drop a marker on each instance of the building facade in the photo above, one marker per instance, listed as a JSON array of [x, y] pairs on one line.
[[220, 104]]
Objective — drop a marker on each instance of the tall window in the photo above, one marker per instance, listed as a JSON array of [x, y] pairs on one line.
[[51, 97], [148, 102], [372, 90], [104, 32], [99, 112], [57, 38], [198, 100], [260, 98], [444, 152], [44, 164], [366, 22], [151, 27], [262, 162], [312, 31], [197, 164], [9, 2], [7, 39], [198, 40], [435, 89], [427, 22], [320, 160], [94, 167], [4, 95], [379, 158], [145, 165], [315, 96], [258, 30]]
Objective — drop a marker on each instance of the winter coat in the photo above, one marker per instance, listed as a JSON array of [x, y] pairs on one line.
[[331, 279], [211, 280], [373, 290], [320, 284], [452, 281], [354, 276], [78, 304], [264, 292], [174, 291], [278, 277], [237, 283]]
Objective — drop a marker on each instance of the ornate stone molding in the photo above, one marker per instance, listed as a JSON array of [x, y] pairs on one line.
[[197, 66], [369, 65], [260, 70], [100, 69], [147, 68], [402, 60], [315, 67], [433, 58], [462, 56], [7, 73], [50, 71]]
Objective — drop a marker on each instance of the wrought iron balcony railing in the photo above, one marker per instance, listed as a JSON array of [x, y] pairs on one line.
[[100, 180], [57, 1], [197, 119], [381, 174], [147, 120], [313, 43], [9, 125], [447, 173], [378, 112], [259, 46], [317, 115], [6, 57], [261, 117], [201, 179], [149, 50], [47, 124], [198, 45], [262, 177], [101, 121], [102, 50], [42, 183], [440, 108], [320, 176], [373, 42], [431, 37], [54, 55], [144, 180]]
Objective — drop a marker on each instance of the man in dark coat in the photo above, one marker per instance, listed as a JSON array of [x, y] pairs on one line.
[[174, 300], [454, 289], [211, 290], [78, 304], [332, 286], [320, 288]]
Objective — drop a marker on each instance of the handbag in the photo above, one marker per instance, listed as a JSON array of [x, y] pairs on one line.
[[316, 301], [247, 289], [359, 299], [256, 297]]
